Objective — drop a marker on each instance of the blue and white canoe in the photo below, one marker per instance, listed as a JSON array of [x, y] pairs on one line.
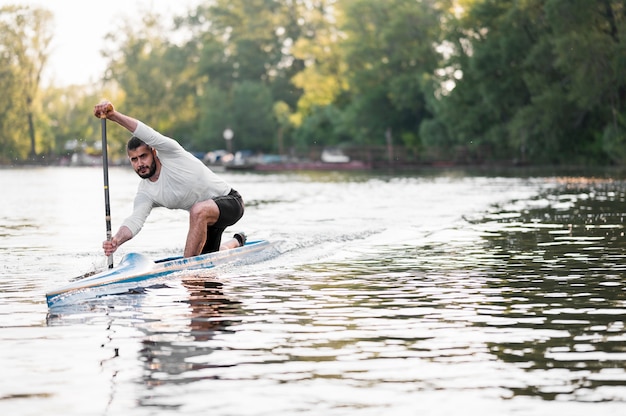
[[136, 268]]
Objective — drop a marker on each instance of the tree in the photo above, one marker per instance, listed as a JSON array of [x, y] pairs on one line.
[[323, 79], [244, 43], [391, 55], [216, 115], [250, 40], [68, 121], [536, 80], [488, 51], [589, 51], [253, 115], [25, 39], [11, 130], [157, 76]]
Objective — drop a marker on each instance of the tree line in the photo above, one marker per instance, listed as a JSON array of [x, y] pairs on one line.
[[467, 81]]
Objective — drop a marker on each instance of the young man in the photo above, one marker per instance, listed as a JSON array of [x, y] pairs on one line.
[[175, 179]]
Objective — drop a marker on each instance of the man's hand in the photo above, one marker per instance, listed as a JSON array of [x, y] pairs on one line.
[[103, 109], [123, 235], [110, 246]]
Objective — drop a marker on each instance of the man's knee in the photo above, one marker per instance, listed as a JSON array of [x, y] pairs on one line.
[[205, 211]]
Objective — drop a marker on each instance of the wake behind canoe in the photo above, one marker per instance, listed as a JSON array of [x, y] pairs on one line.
[[136, 267]]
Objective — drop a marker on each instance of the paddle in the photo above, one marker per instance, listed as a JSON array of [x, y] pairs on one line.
[[105, 169]]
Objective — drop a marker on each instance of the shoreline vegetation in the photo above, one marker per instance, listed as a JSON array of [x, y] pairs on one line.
[[393, 84], [396, 167]]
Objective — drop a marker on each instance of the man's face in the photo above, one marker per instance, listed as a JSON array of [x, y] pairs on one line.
[[142, 159]]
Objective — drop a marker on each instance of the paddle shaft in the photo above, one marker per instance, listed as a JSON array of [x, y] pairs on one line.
[[105, 170]]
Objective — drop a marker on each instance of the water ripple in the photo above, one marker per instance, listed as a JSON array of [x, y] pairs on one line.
[[494, 295]]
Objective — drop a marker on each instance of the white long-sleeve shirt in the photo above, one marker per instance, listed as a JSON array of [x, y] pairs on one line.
[[183, 181]]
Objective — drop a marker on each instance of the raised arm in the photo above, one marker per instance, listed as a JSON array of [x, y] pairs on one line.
[[105, 109]]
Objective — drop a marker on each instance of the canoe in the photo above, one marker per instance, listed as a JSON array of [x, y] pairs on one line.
[[137, 268]]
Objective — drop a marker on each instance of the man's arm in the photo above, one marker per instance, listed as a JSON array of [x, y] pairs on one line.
[[105, 108]]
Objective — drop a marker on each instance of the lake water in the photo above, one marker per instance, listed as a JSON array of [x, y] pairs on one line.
[[436, 293]]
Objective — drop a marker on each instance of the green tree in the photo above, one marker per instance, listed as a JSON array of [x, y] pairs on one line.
[[24, 42], [323, 78], [247, 110], [251, 40], [589, 51], [391, 53], [68, 120], [242, 43], [282, 114], [322, 126], [216, 115], [11, 129], [537, 81], [532, 80], [253, 116], [486, 71], [158, 77]]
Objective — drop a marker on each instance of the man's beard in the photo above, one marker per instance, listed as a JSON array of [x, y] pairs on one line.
[[151, 171]]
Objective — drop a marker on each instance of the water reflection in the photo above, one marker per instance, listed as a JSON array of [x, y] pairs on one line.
[[166, 350], [170, 354], [439, 305], [561, 287], [533, 290], [174, 324]]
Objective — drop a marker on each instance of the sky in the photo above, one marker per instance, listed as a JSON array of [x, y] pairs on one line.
[[79, 29]]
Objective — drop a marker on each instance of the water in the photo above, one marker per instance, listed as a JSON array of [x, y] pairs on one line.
[[431, 294]]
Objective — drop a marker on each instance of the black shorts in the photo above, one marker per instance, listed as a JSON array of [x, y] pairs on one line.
[[231, 210]]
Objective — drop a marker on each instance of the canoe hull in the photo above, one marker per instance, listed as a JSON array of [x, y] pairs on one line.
[[136, 267]]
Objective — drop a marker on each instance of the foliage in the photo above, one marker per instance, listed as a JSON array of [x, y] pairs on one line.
[[525, 81], [539, 79], [247, 110], [390, 52], [24, 40], [322, 126], [323, 78], [157, 77]]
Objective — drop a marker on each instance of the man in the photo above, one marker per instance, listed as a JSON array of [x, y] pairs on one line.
[[175, 179]]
